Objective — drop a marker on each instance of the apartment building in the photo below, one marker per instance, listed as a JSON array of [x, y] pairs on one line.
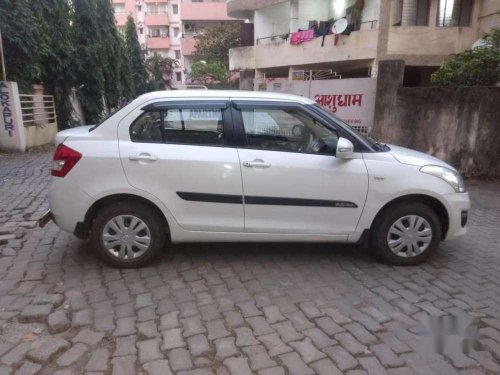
[[421, 32], [168, 27]]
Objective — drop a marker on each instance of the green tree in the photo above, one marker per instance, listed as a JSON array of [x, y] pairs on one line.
[[160, 71], [58, 62], [38, 48], [25, 40], [214, 45], [208, 73], [477, 67], [135, 57], [90, 78], [111, 53]]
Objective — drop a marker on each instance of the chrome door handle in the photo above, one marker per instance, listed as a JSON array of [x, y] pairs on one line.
[[143, 157], [256, 164]]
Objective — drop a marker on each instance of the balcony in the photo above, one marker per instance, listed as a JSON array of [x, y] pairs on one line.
[[187, 46], [204, 12], [156, 19], [158, 42], [360, 45]]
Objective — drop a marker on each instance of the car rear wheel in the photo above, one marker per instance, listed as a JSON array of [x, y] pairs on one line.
[[406, 234], [128, 234]]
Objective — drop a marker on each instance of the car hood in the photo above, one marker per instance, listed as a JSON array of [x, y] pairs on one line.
[[71, 132], [412, 157]]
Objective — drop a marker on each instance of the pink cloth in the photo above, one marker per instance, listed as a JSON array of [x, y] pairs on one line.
[[301, 36]]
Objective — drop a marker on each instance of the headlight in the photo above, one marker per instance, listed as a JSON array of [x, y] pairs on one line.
[[450, 176]]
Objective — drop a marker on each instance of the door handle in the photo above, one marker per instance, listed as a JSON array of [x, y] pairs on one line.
[[257, 163], [143, 157]]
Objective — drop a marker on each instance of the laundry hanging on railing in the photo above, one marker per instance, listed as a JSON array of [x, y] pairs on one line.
[[301, 36]]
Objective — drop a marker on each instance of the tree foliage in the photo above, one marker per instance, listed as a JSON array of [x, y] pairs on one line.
[[66, 44], [89, 68], [214, 44], [212, 53], [209, 73], [477, 67], [160, 71], [135, 57], [110, 45]]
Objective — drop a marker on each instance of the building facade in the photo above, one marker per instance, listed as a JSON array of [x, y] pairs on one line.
[[423, 33], [168, 27]]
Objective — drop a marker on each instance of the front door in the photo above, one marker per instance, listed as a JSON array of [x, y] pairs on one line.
[[181, 153], [292, 181]]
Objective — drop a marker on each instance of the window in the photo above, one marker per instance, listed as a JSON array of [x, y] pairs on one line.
[[287, 130], [159, 8], [177, 54], [175, 9], [202, 127], [454, 13], [411, 12], [139, 8], [119, 8], [178, 76], [156, 32], [147, 128], [176, 32]]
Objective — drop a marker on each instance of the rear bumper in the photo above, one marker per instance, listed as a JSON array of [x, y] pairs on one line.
[[68, 203], [45, 218], [458, 206]]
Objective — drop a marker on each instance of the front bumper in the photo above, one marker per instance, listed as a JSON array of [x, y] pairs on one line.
[[458, 206]]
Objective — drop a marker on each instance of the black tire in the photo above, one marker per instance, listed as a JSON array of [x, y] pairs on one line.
[[157, 230], [381, 226]]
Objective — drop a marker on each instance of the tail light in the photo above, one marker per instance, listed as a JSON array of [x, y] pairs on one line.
[[65, 159]]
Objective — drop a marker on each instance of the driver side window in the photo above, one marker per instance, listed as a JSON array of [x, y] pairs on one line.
[[288, 130]]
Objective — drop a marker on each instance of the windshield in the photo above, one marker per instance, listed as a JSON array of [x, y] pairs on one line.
[[370, 141]]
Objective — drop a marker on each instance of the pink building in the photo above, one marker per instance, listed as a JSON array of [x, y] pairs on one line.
[[169, 26]]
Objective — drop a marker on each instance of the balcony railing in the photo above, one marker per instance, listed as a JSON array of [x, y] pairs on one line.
[[158, 42]]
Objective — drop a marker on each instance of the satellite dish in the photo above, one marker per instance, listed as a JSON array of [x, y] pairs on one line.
[[339, 26]]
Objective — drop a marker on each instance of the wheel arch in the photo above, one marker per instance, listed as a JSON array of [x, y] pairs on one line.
[[435, 204], [82, 229]]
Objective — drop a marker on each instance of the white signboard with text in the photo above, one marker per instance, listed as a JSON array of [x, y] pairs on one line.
[[351, 99], [12, 135]]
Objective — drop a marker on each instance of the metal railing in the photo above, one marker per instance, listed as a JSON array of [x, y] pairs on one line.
[[38, 110]]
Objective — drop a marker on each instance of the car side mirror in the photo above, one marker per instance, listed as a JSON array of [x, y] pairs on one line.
[[345, 148]]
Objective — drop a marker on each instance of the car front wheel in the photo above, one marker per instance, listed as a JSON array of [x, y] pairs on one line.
[[406, 234], [128, 234]]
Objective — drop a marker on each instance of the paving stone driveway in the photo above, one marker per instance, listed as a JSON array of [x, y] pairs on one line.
[[235, 308]]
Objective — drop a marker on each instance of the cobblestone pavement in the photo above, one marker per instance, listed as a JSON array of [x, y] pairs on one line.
[[236, 308]]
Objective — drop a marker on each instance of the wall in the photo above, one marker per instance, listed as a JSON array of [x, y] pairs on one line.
[[489, 16], [272, 20], [40, 135], [456, 124], [320, 10]]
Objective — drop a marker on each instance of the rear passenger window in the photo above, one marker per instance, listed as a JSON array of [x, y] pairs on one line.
[[147, 128], [194, 126], [202, 127]]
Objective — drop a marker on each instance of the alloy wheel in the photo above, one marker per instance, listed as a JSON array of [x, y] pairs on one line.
[[409, 236], [126, 237]]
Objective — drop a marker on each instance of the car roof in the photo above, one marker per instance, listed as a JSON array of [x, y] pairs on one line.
[[232, 94]]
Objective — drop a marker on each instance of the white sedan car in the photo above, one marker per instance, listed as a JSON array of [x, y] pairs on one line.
[[212, 166]]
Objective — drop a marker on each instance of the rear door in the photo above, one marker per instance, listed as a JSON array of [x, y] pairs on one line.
[[182, 153], [292, 181]]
